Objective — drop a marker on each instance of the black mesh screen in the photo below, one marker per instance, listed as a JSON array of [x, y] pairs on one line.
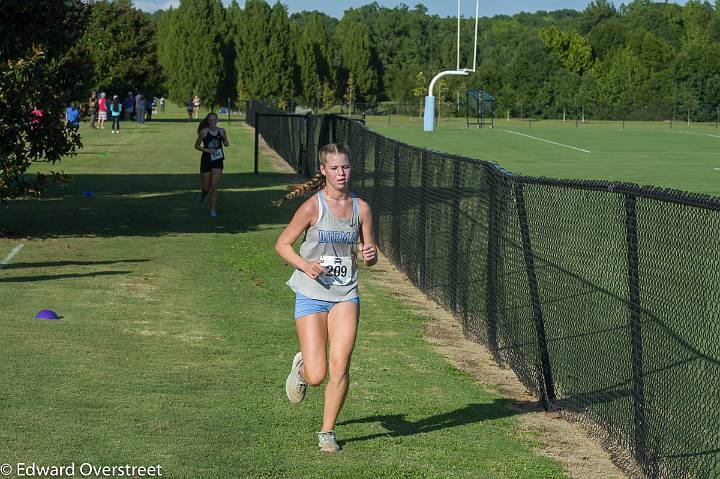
[[602, 297]]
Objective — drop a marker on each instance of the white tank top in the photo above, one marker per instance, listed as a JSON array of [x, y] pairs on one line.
[[332, 241]]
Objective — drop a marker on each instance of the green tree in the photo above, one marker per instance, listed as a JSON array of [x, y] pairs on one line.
[[280, 60], [42, 71], [571, 49], [122, 45], [328, 95], [192, 48], [350, 92], [169, 57], [265, 58], [698, 21], [356, 57], [420, 89], [596, 13], [529, 67], [608, 36], [565, 86], [251, 43], [662, 19], [441, 93], [620, 81], [313, 58]]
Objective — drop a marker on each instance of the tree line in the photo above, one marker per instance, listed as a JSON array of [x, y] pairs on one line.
[[643, 53]]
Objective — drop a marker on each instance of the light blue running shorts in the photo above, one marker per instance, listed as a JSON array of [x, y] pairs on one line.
[[305, 305]]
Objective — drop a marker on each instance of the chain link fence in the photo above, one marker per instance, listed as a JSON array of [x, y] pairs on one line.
[[601, 296]]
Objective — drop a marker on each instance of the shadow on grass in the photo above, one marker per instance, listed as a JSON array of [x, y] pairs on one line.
[[50, 277], [148, 205], [222, 119], [396, 425], [54, 264]]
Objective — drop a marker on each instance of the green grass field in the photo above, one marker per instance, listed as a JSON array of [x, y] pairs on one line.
[[177, 334], [648, 153]]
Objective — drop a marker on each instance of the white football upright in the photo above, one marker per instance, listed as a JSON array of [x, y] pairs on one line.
[[429, 118]]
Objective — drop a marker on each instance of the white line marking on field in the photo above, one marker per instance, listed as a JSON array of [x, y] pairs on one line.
[[12, 254], [716, 168], [547, 141], [698, 134]]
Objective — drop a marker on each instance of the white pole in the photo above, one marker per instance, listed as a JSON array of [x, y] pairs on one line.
[[458, 36], [477, 11]]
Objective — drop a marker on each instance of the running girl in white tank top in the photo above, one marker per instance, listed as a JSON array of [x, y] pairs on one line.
[[327, 304]]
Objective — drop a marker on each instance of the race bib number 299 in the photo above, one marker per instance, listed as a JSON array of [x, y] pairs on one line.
[[338, 270]]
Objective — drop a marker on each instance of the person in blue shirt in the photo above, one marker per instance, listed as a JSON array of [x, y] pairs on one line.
[[115, 112], [129, 106], [72, 116]]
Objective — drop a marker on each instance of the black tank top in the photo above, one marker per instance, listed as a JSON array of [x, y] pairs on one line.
[[215, 142]]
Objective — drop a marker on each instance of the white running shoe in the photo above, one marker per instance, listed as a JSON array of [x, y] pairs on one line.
[[294, 385], [213, 213], [328, 442]]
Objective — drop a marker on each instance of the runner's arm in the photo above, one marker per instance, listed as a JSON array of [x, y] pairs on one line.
[[284, 244], [368, 250], [198, 142]]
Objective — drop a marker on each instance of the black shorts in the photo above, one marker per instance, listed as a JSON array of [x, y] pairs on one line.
[[207, 165]]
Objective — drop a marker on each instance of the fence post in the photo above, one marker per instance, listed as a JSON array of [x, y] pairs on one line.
[[257, 142], [454, 234], [492, 260], [672, 116], [363, 165], [422, 222], [546, 383], [396, 198], [467, 110], [309, 147], [379, 198], [636, 343]]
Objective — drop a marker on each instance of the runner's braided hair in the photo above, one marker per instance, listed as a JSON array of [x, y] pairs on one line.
[[318, 181]]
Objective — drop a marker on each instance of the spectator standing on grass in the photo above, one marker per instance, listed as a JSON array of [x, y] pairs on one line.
[[140, 108], [115, 112], [72, 117], [327, 304], [129, 105], [93, 109], [196, 106], [151, 108], [162, 104], [189, 107], [210, 142], [102, 110]]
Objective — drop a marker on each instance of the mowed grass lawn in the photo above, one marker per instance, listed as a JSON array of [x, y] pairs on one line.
[[177, 334], [648, 153]]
